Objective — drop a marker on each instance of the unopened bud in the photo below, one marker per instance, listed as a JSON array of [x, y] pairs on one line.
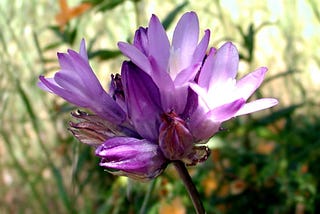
[[175, 139]]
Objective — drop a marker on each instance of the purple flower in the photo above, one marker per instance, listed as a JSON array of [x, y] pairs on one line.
[[171, 67], [221, 97], [168, 100]]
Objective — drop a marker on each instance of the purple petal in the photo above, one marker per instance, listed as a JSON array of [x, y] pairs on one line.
[[207, 70], [143, 100], [185, 39], [136, 56], [180, 99], [83, 51], [85, 72], [69, 83], [43, 86], [182, 83], [257, 105], [204, 125], [77, 83], [135, 158], [220, 67], [187, 75], [159, 46], [202, 47], [165, 85], [249, 83], [51, 86], [141, 40], [226, 111], [191, 105], [186, 33]]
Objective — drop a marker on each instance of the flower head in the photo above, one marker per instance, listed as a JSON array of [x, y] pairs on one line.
[[167, 101]]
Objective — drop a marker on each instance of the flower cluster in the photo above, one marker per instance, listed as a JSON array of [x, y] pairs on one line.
[[169, 99]]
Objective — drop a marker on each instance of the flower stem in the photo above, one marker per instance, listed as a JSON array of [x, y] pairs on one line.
[[187, 181], [147, 197]]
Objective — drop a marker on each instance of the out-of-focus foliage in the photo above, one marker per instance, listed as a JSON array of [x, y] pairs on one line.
[[264, 163]]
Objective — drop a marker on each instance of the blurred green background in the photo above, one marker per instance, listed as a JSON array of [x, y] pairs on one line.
[[267, 162]]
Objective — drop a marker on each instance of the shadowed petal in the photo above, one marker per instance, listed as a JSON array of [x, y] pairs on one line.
[[207, 70], [143, 100], [140, 40], [136, 56], [187, 75], [202, 47]]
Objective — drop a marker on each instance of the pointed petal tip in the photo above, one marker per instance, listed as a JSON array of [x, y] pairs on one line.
[[207, 33], [265, 69], [154, 19], [59, 55], [83, 42], [274, 101], [257, 105], [261, 71], [121, 44], [229, 45]]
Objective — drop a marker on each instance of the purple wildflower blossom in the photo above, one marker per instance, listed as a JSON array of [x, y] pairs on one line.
[[167, 100]]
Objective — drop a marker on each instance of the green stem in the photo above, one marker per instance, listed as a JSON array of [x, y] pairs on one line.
[[147, 197], [187, 181]]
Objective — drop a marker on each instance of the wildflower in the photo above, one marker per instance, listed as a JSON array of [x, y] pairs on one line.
[[191, 117], [166, 102]]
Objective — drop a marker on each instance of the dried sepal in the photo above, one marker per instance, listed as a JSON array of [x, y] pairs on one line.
[[91, 129]]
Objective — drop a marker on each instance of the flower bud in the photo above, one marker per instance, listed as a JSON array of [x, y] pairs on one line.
[[131, 157], [175, 140]]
